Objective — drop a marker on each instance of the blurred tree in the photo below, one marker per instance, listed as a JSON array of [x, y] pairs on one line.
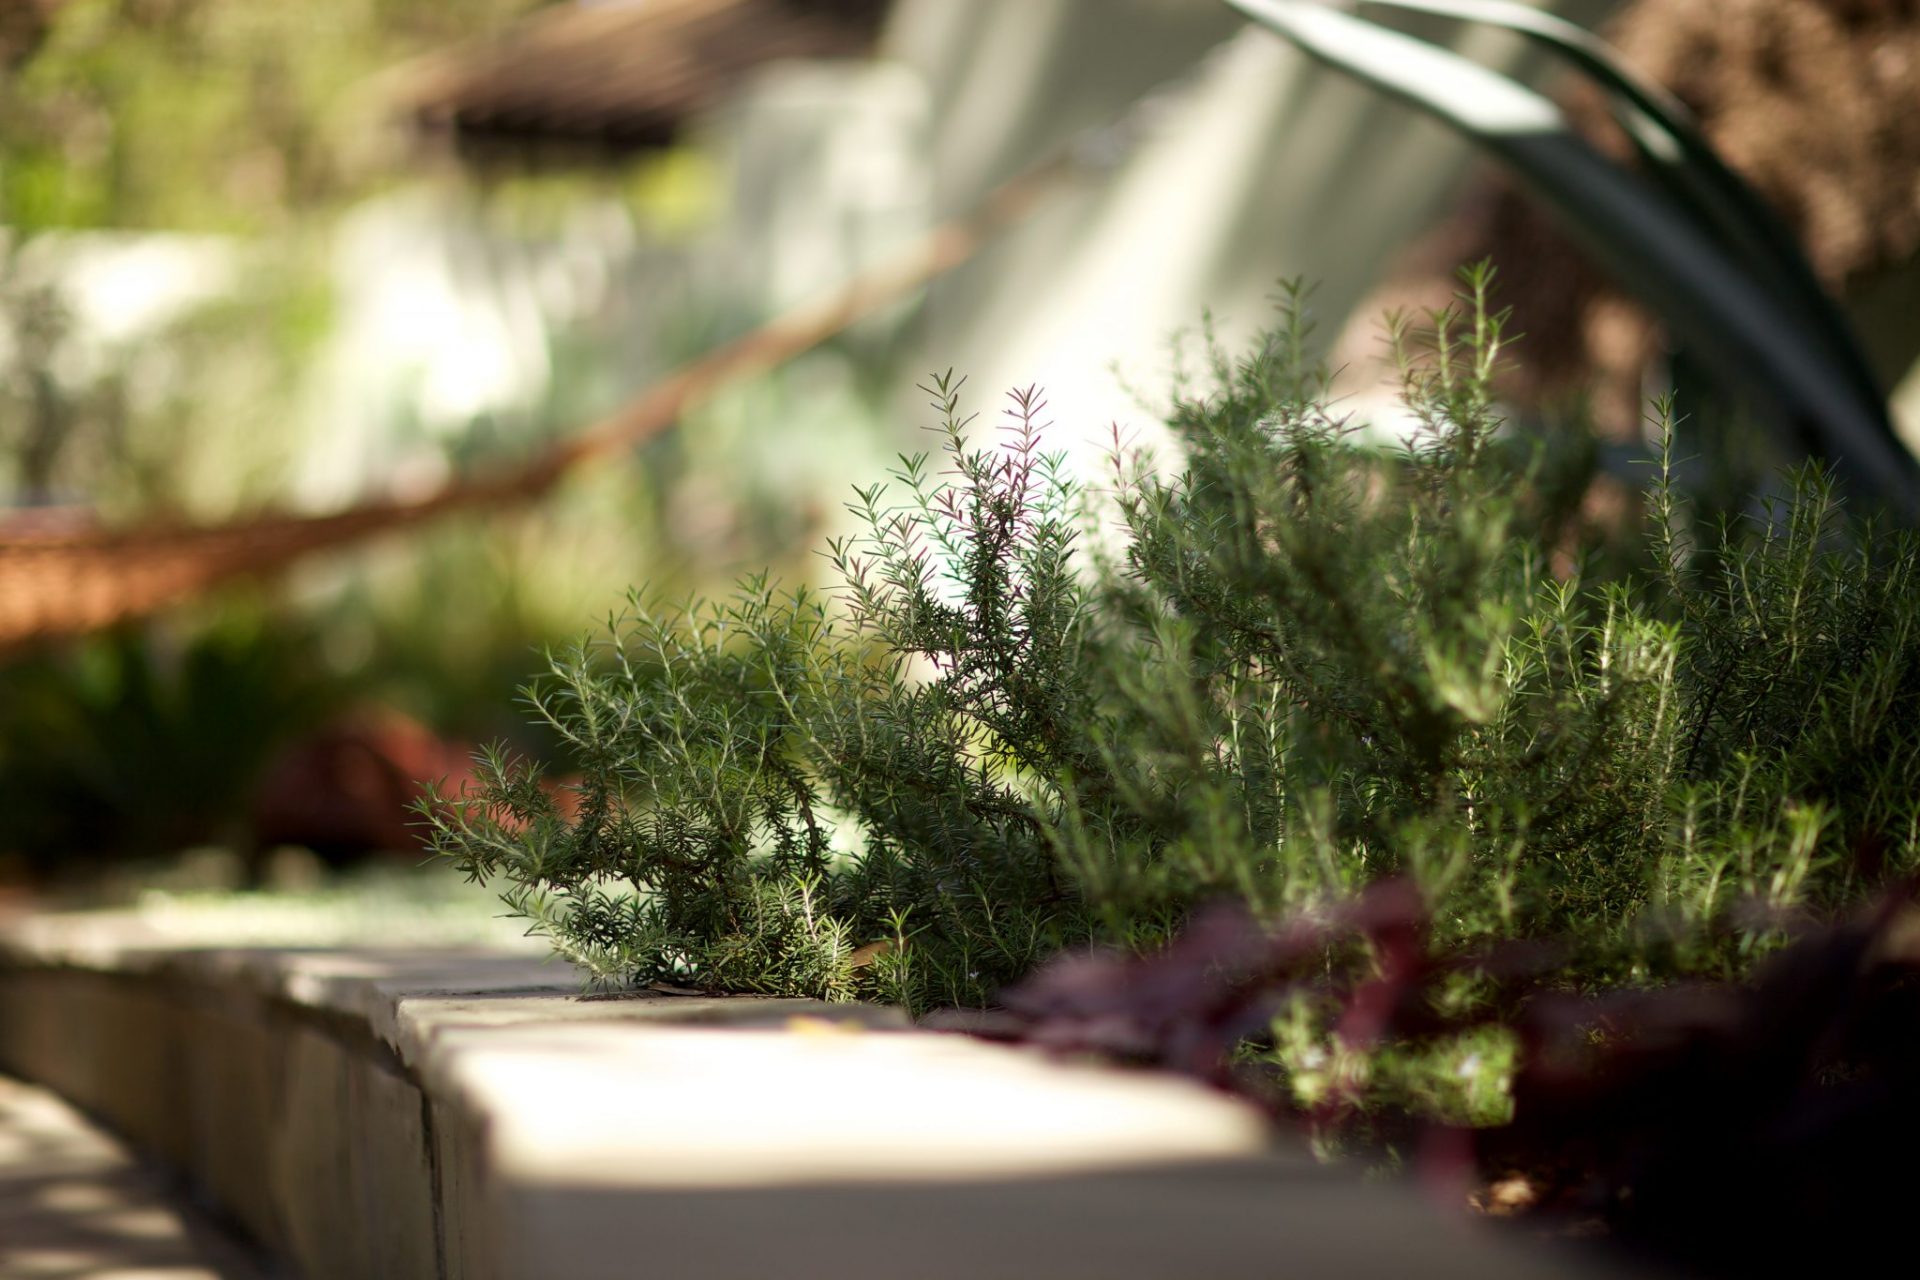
[[208, 115]]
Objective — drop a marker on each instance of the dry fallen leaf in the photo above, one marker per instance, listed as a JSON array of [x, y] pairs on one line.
[[803, 1025], [1507, 1196], [864, 956]]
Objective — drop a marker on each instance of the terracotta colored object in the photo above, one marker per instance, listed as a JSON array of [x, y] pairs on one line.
[[349, 788]]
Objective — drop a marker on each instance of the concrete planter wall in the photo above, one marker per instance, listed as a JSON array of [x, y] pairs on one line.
[[425, 1114]]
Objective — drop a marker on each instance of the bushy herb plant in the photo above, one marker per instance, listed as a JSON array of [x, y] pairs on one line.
[[1302, 662]]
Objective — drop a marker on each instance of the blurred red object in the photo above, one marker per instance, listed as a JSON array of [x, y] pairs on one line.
[[348, 789]]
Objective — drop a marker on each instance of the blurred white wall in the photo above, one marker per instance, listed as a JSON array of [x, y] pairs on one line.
[[828, 174], [443, 318], [117, 287], [1265, 166], [447, 317]]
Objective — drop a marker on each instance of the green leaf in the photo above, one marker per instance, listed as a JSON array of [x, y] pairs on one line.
[[1652, 246]]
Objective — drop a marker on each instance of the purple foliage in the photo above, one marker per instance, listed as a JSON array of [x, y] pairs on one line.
[[1732, 1127]]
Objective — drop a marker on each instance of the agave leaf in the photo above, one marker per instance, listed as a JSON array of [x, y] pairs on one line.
[[1681, 159], [1651, 246]]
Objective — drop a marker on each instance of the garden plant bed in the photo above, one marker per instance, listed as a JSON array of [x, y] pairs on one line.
[[462, 1112]]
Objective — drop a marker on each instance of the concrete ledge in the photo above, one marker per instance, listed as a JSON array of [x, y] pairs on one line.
[[457, 1113]]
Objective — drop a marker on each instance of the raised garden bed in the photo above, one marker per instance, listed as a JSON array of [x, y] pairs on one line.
[[464, 1112]]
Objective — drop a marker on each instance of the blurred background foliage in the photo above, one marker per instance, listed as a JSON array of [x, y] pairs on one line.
[[286, 257], [201, 115], [201, 201]]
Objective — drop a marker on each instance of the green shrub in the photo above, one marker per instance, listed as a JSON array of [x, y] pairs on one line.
[[140, 743], [1308, 663]]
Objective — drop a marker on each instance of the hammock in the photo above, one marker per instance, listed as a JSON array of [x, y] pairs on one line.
[[65, 577]]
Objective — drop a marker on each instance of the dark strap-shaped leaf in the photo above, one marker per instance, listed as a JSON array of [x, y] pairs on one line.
[[1653, 247], [1681, 159]]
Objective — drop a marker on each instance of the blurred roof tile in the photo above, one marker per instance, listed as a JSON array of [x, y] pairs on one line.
[[621, 75]]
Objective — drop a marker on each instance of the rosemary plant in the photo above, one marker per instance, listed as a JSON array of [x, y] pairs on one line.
[[1311, 662]]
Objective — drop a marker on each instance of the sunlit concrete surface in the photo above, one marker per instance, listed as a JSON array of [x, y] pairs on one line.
[[445, 1113], [74, 1203], [747, 1109]]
